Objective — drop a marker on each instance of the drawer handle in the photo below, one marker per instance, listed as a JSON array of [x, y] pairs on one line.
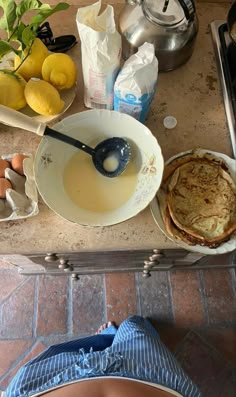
[[75, 277], [152, 261], [157, 251], [149, 264], [146, 273], [155, 257], [64, 264], [51, 258]]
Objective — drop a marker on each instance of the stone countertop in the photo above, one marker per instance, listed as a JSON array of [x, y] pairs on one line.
[[191, 94]]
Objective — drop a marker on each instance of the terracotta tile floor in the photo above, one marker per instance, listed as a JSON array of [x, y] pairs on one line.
[[194, 311]]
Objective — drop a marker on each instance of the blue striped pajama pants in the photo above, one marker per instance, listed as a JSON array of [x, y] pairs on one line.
[[133, 351]]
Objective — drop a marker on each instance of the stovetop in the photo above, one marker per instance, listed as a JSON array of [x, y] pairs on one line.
[[225, 52]]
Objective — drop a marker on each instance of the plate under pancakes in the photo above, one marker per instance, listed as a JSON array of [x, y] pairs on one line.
[[196, 204], [201, 200]]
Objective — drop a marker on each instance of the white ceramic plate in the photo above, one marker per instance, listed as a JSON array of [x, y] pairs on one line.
[[52, 156], [155, 210]]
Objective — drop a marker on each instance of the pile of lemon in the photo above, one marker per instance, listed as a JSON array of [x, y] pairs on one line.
[[38, 81]]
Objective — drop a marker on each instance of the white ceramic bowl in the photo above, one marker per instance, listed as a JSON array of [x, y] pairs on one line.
[[52, 157]]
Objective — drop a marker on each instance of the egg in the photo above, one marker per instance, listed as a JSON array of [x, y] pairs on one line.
[[3, 165], [4, 185], [17, 163]]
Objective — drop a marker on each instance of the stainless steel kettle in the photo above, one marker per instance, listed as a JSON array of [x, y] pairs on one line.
[[171, 25]]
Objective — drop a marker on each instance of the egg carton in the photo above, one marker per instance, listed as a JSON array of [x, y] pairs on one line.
[[22, 200]]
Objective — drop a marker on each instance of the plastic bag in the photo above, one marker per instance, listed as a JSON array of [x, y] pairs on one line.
[[136, 83], [101, 53]]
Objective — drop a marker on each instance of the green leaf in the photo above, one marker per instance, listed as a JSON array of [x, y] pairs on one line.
[[27, 36], [4, 48], [20, 29], [46, 11], [17, 33], [9, 15], [10, 73], [26, 5]]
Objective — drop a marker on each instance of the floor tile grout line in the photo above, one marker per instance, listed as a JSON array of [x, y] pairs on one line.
[[203, 296], [211, 346], [171, 300], [39, 338], [0, 317], [233, 279], [19, 359], [24, 281], [138, 297], [35, 313], [104, 299], [70, 306], [181, 343]]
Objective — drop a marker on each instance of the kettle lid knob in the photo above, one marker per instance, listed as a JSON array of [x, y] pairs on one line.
[[168, 13]]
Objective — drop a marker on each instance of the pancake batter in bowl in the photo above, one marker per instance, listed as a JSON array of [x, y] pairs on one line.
[[92, 191]]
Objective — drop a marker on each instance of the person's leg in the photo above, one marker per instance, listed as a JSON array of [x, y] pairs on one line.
[[65, 361], [145, 357], [134, 326], [103, 339]]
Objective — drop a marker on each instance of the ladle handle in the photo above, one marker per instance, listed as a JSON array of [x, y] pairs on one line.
[[20, 120], [68, 139]]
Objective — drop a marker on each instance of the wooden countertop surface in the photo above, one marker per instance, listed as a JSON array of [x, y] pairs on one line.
[[191, 94]]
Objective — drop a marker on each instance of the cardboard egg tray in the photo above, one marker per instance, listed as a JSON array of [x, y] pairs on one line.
[[22, 200]]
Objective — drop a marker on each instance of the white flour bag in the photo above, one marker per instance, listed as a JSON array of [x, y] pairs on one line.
[[101, 52], [136, 83]]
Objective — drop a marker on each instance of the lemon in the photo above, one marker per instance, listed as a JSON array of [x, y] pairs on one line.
[[12, 90], [42, 97], [59, 70], [32, 66]]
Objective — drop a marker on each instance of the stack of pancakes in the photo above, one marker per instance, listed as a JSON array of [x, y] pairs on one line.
[[197, 199]]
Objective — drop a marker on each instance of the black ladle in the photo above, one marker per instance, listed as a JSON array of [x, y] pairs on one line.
[[231, 22], [110, 157]]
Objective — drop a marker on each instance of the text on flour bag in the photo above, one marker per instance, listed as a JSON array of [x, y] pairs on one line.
[[101, 52]]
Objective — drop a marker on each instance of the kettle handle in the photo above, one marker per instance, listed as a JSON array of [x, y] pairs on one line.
[[188, 8], [187, 5]]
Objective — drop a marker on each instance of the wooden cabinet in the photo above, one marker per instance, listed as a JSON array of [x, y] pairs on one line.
[[93, 262]]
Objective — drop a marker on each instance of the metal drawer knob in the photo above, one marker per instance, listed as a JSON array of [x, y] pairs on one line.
[[51, 258], [63, 264], [75, 276], [148, 264], [146, 273], [151, 262], [155, 257], [157, 251]]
